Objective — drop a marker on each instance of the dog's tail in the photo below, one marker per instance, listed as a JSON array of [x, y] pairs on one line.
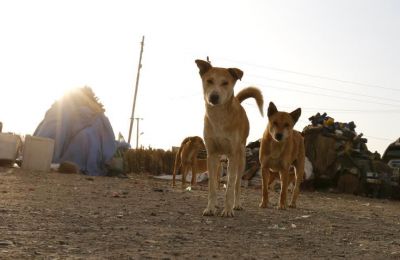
[[254, 93]]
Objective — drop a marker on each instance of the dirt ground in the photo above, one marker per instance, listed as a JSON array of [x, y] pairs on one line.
[[59, 216]]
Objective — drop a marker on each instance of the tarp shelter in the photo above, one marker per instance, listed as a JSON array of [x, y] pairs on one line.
[[82, 133]]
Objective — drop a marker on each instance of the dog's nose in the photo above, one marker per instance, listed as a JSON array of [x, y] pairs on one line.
[[279, 136], [214, 98]]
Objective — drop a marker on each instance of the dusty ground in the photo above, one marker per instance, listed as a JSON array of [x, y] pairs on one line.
[[57, 216]]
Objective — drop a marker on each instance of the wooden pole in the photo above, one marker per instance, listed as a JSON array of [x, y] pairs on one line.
[[137, 131], [136, 88]]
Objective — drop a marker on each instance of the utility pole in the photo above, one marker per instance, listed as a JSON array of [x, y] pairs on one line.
[[137, 131], [136, 88]]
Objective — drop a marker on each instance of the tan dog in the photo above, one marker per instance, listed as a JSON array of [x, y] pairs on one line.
[[186, 159], [281, 147], [226, 128]]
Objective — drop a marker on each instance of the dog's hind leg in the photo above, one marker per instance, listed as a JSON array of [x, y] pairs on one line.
[[241, 166], [212, 165], [185, 169], [218, 179]]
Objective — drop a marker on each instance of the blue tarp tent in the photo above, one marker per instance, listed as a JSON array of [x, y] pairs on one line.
[[82, 133]]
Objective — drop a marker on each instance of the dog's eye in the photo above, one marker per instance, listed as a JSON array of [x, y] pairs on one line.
[[286, 125], [224, 83], [210, 81], [275, 123]]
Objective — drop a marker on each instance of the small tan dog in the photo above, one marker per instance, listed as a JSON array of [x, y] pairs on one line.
[[226, 128], [186, 159], [281, 147]]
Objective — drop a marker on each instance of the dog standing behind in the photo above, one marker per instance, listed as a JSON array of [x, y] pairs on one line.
[[281, 147], [226, 128], [186, 158]]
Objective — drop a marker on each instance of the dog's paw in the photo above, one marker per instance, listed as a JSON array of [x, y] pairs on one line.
[[263, 204], [209, 212], [281, 207], [238, 207], [292, 205], [227, 213]]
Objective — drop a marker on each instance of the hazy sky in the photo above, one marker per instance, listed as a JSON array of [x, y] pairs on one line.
[[341, 57]]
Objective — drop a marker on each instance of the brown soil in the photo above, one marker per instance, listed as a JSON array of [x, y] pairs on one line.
[[58, 216]]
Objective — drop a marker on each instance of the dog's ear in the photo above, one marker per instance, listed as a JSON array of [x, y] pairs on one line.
[[272, 109], [236, 73], [295, 115], [204, 66]]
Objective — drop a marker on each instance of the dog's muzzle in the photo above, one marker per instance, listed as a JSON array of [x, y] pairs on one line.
[[278, 137], [214, 99]]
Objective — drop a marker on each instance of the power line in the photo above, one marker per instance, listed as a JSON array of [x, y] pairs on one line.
[[334, 110], [378, 138], [349, 110], [331, 96], [328, 89], [312, 75]]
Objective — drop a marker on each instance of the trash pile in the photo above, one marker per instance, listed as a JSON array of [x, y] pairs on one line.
[[340, 158]]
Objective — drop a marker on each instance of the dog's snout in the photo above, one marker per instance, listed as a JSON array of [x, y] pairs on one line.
[[214, 98], [279, 136]]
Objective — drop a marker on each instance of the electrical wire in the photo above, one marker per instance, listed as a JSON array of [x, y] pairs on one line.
[[311, 75]]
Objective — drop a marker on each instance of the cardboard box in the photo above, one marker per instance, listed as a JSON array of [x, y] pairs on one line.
[[9, 147], [37, 153]]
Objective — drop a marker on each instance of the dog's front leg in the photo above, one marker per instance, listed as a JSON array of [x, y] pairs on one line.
[[230, 189], [265, 171], [284, 174], [241, 165], [212, 165], [299, 166]]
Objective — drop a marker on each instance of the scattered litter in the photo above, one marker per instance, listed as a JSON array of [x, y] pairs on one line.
[[189, 188], [6, 243], [293, 225], [304, 216], [200, 177], [276, 226], [365, 204]]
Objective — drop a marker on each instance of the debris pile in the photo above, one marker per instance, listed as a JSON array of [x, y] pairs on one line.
[[340, 158]]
